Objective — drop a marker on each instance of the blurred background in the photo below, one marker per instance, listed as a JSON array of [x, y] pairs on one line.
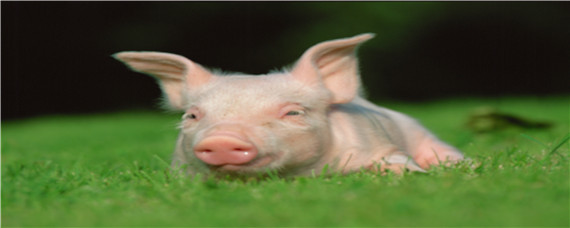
[[56, 55]]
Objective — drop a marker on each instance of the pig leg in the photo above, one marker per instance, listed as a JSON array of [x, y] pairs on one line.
[[423, 146], [431, 151]]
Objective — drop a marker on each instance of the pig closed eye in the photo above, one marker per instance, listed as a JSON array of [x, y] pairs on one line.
[[295, 113]]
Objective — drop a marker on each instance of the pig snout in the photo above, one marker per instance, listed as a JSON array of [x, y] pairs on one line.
[[225, 149]]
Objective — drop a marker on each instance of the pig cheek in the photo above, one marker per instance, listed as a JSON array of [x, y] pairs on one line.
[[304, 149], [189, 139], [302, 144], [312, 146], [266, 138], [272, 139], [317, 140]]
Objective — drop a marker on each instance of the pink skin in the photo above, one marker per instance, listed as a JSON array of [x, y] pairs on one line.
[[222, 147], [230, 146], [294, 122]]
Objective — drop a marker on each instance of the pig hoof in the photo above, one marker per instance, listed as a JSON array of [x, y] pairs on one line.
[[446, 160], [397, 164]]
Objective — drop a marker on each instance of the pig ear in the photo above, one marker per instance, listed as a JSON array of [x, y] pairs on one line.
[[175, 73], [333, 63]]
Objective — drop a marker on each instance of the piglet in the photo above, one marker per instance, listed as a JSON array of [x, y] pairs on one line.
[[292, 122]]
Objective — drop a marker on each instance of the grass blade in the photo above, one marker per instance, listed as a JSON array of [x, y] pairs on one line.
[[559, 144], [534, 140], [162, 162]]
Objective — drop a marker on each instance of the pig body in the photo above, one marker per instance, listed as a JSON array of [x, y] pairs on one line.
[[292, 122]]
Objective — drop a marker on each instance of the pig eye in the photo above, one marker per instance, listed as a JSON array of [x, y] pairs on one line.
[[295, 113], [192, 114], [189, 116], [292, 111]]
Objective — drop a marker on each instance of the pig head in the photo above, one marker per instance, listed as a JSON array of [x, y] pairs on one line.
[[292, 122]]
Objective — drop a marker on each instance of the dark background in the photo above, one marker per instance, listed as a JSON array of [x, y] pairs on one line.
[[56, 55]]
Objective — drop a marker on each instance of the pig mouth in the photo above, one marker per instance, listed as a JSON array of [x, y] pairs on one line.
[[252, 165]]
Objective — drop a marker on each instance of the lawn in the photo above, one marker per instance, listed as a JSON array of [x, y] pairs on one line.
[[112, 170]]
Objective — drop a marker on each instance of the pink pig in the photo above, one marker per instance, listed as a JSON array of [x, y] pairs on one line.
[[292, 122]]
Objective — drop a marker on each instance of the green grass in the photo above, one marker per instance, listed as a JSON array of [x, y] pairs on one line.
[[112, 170]]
